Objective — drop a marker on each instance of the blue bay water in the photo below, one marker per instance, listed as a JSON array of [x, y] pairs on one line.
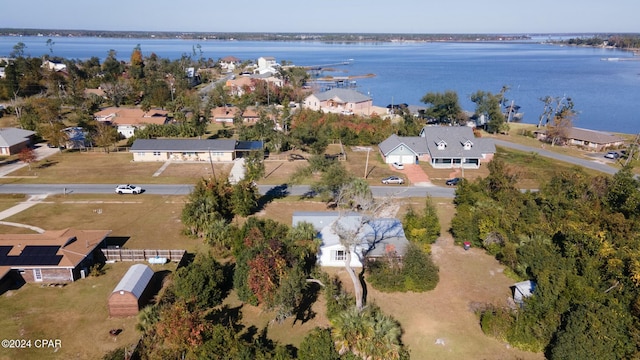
[[606, 93]]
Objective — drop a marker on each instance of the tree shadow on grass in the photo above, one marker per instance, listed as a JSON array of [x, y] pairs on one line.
[[276, 192], [304, 312]]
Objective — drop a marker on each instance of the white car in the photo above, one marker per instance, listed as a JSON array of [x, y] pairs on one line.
[[128, 189], [398, 166], [393, 180]]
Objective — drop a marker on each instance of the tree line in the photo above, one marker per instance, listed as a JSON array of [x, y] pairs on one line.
[[577, 239]]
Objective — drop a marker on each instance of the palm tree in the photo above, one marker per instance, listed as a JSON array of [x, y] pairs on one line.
[[368, 334]]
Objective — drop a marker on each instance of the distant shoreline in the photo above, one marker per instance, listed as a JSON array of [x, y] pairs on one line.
[[284, 36]]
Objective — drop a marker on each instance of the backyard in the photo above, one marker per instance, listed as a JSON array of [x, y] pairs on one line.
[[440, 324]]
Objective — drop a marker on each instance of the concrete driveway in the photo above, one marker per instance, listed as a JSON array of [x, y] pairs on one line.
[[42, 151]]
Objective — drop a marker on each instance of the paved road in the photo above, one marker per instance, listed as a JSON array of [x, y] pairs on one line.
[[184, 189], [598, 163], [296, 190]]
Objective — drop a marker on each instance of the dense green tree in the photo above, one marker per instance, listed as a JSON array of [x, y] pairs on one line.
[[594, 331], [104, 136], [443, 107], [244, 198], [623, 195], [201, 282], [112, 67], [489, 105], [424, 227], [209, 201], [318, 345]]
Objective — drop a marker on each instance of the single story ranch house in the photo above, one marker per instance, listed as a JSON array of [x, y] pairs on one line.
[[590, 139], [443, 147], [55, 256], [13, 140], [217, 150]]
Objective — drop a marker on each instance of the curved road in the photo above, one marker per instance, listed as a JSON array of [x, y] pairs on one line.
[[590, 164]]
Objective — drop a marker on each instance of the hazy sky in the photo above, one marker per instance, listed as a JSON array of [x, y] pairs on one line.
[[355, 16]]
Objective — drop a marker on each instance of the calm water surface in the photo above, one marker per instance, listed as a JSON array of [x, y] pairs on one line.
[[606, 93]]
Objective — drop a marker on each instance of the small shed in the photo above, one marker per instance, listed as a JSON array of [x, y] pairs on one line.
[[523, 290], [129, 295]]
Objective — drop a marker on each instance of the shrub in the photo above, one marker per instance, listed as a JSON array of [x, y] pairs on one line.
[[415, 272], [496, 322]]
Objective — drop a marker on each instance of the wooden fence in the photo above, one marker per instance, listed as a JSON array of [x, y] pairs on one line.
[[142, 255]]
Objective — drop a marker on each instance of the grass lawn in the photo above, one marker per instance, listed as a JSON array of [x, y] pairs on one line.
[[10, 200], [146, 221], [75, 314], [102, 168]]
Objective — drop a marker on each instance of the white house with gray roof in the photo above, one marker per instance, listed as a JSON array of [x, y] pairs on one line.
[[338, 100], [377, 238], [217, 150], [13, 140], [444, 147]]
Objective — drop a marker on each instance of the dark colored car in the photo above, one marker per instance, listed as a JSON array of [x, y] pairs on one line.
[[453, 182]]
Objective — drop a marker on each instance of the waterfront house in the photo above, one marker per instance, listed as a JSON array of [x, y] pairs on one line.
[[267, 64], [339, 100], [588, 139], [377, 237], [229, 63], [442, 146]]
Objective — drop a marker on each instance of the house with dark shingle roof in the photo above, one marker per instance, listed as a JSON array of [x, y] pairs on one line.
[[590, 139], [13, 140], [338, 100], [218, 150], [442, 146], [55, 256]]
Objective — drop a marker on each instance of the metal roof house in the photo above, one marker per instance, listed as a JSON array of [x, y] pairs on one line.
[[442, 146], [523, 290], [217, 150], [131, 292], [377, 238]]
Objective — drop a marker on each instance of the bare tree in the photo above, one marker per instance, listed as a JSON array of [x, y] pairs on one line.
[[358, 232]]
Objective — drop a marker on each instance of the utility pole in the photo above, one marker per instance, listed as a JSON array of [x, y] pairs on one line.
[[366, 166]]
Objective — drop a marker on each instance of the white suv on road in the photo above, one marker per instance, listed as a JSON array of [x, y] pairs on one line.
[[128, 189]]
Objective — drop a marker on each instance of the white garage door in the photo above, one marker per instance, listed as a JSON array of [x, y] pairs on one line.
[[408, 159], [393, 158]]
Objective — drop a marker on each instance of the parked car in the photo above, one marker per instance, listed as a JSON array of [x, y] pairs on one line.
[[612, 155], [453, 182], [393, 180], [398, 165], [128, 189]]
